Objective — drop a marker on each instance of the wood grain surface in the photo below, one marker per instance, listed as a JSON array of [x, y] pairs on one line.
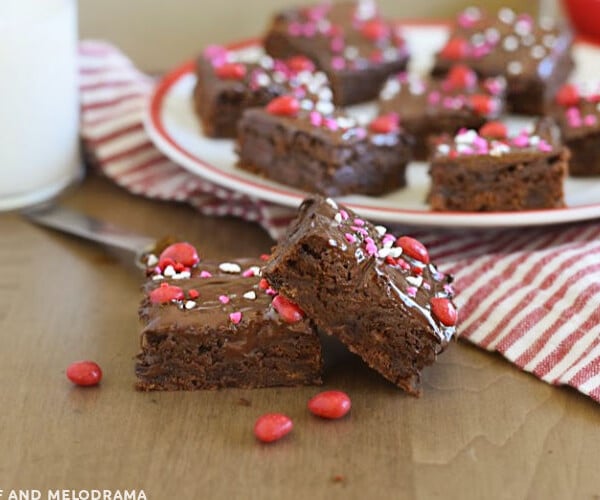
[[482, 429]]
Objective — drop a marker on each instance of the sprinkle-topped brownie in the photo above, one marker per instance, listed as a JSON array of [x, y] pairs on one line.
[[432, 107], [349, 41], [577, 112], [490, 171], [316, 148], [534, 57], [228, 82], [208, 325], [378, 293]]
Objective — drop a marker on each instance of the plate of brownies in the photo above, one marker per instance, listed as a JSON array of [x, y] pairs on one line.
[[490, 120]]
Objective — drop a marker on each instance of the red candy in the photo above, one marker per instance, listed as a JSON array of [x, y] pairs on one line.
[[494, 130], [231, 71], [166, 293], [456, 48], [330, 404], [461, 77], [289, 311], [300, 63], [375, 29], [84, 373], [413, 248], [193, 293], [568, 95], [181, 253], [285, 105], [444, 310], [272, 426], [263, 284], [482, 104], [385, 124]]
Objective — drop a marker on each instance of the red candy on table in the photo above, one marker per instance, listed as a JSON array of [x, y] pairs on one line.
[[84, 373], [413, 248], [385, 124], [443, 310], [289, 311], [179, 253], [330, 404], [567, 95], [494, 130], [285, 105], [231, 71], [272, 426], [456, 48], [166, 293], [461, 77]]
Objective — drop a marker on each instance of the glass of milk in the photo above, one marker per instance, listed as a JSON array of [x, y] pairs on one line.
[[39, 100]]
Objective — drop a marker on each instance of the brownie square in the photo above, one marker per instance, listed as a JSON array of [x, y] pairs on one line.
[[427, 107], [534, 57], [378, 294], [321, 150], [476, 173], [577, 112], [348, 40], [221, 330], [229, 82]]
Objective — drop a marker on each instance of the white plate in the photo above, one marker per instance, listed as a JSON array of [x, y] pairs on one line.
[[173, 127]]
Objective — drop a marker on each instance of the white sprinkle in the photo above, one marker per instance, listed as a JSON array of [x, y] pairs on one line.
[[332, 242], [528, 40], [345, 122], [478, 39], [534, 140], [514, 67], [183, 275], [390, 54], [388, 243], [262, 80], [151, 260], [538, 52], [266, 62], [338, 218], [395, 252], [510, 43], [323, 25], [415, 280], [230, 267], [158, 277], [190, 304], [549, 41], [279, 77], [384, 252], [390, 89], [306, 104], [320, 78], [381, 230], [416, 87], [325, 94], [546, 23], [492, 35], [169, 271], [467, 137], [331, 203], [506, 15], [251, 295], [256, 270], [443, 149], [522, 28], [325, 107], [351, 53], [498, 149]]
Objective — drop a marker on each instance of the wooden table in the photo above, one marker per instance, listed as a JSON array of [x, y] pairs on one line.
[[482, 429]]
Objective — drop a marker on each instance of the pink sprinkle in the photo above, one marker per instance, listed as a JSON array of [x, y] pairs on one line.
[[350, 238], [344, 214], [248, 273], [338, 63], [427, 286], [363, 231], [481, 50], [205, 274], [370, 246], [387, 238], [521, 141], [235, 317], [337, 44], [310, 30], [411, 291], [434, 97], [448, 289], [295, 29], [270, 291], [494, 86], [316, 118], [544, 147], [403, 264], [467, 18], [330, 123], [216, 54], [224, 299], [359, 222], [590, 120]]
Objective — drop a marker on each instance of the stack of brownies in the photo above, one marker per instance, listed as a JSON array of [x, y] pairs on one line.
[[286, 104]]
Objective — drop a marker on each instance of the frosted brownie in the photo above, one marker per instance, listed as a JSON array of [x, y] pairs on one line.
[[380, 295]]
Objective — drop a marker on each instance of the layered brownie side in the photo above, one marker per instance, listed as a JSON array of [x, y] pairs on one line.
[[321, 150], [432, 107], [474, 172], [221, 328], [229, 82], [577, 111], [534, 57], [348, 40], [378, 294]]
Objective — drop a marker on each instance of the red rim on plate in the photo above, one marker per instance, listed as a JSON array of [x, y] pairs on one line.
[[284, 195]]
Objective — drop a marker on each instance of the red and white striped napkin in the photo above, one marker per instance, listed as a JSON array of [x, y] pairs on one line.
[[531, 294]]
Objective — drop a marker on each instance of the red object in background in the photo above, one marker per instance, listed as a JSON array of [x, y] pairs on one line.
[[585, 17]]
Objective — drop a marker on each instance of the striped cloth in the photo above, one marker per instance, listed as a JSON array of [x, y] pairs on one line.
[[531, 294]]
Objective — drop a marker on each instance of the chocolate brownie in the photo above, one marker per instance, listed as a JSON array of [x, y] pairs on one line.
[[577, 111], [218, 325], [349, 41], [432, 107], [380, 295], [534, 57], [228, 82], [489, 171], [322, 150]]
